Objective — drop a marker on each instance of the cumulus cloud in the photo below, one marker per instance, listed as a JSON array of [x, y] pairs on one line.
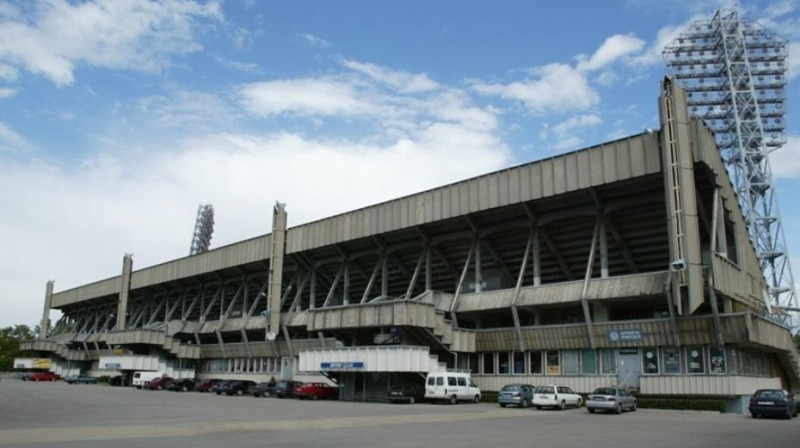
[[186, 108], [575, 123], [136, 34], [10, 139], [785, 161], [7, 92], [307, 96], [314, 41], [554, 87], [402, 81], [612, 49]]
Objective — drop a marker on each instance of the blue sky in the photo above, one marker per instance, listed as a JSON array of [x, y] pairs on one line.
[[117, 118]]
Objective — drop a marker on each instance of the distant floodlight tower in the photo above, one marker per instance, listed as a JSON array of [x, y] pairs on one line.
[[203, 228], [734, 75]]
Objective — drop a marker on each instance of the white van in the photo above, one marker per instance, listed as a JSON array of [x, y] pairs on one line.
[[451, 386], [142, 378]]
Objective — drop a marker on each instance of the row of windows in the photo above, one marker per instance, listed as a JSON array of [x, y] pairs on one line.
[[243, 365], [654, 361]]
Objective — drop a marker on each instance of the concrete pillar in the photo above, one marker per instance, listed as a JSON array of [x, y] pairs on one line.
[[44, 326], [124, 291], [276, 266]]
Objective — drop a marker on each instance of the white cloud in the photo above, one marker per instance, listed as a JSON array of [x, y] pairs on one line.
[[403, 81], [568, 143], [785, 161], [653, 54], [314, 41], [183, 108], [574, 123], [7, 92], [612, 49], [10, 139], [8, 73], [136, 34], [307, 96], [555, 87]]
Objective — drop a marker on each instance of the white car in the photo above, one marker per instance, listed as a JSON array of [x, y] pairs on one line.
[[451, 387], [556, 396]]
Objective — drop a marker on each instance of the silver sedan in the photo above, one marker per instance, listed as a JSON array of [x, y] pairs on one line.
[[612, 399]]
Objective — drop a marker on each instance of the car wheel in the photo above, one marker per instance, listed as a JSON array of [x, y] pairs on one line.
[[538, 407], [618, 409], [185, 389], [476, 399], [788, 415], [633, 408], [524, 403], [502, 405], [410, 400], [580, 402], [239, 392], [562, 405], [453, 399], [591, 411], [754, 415]]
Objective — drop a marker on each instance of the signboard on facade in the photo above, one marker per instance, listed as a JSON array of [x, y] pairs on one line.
[[41, 363], [113, 365], [348, 365], [633, 335]]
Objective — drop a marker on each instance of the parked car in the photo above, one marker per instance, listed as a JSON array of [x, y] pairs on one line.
[[775, 402], [157, 383], [611, 399], [237, 387], [219, 386], [44, 376], [24, 376], [405, 392], [315, 391], [118, 380], [556, 396], [206, 385], [81, 379], [516, 394], [451, 387], [182, 385], [286, 388], [264, 389]]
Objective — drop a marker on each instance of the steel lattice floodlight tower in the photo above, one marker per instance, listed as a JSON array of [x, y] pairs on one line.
[[203, 229], [734, 75]]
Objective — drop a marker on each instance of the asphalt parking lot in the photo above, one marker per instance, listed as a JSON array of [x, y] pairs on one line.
[[63, 415]]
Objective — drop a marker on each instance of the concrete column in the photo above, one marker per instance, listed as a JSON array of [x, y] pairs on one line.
[[44, 326], [276, 266], [124, 291]]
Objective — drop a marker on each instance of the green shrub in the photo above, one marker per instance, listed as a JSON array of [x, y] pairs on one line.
[[103, 379]]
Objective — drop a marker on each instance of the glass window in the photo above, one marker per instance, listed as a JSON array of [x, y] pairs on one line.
[[503, 364], [695, 361], [650, 360], [431, 381], [569, 359], [671, 359], [474, 364], [519, 363], [609, 361], [588, 362], [716, 358], [440, 381], [462, 381], [451, 381], [536, 362], [553, 365], [488, 363]]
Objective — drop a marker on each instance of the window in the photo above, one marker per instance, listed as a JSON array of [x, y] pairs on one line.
[[569, 358], [671, 360], [431, 381], [609, 361], [589, 362], [536, 362], [440, 381], [695, 361], [474, 364], [451, 381], [553, 365], [462, 381], [488, 363], [716, 358], [519, 363], [502, 362], [650, 360]]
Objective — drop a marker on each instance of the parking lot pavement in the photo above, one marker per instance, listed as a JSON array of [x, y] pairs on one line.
[[58, 414]]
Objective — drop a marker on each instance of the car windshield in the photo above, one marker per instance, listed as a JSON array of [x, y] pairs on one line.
[[510, 388], [605, 391], [545, 390], [769, 394]]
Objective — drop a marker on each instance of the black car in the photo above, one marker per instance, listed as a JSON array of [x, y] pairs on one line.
[[182, 385], [406, 393], [264, 389], [219, 386], [775, 402], [237, 387], [286, 388]]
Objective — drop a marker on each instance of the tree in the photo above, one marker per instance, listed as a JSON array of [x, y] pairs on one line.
[[10, 338]]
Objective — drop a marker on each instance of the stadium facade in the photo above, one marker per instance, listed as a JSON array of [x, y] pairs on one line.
[[624, 263]]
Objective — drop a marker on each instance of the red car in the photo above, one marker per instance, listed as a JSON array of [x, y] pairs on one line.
[[158, 383], [44, 376], [316, 390]]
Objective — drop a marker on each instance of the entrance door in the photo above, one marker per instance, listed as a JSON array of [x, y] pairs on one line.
[[629, 367], [287, 369]]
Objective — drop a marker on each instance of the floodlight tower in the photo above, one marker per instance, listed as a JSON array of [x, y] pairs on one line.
[[734, 74], [203, 228]]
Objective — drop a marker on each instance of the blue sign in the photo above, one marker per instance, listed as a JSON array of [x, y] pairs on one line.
[[353, 365], [113, 365], [625, 335]]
